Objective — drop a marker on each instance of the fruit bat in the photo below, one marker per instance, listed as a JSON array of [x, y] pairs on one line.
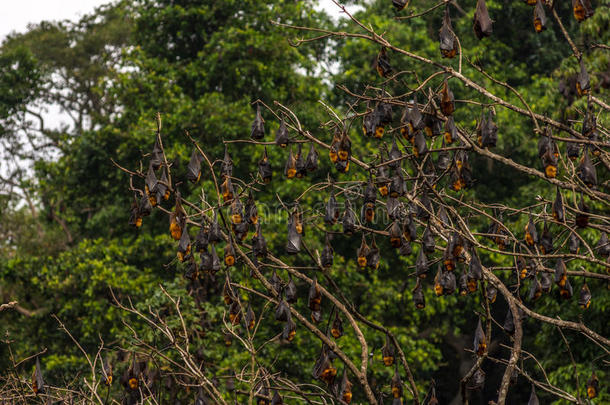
[[448, 282], [333, 151], [475, 272], [345, 388], [398, 187], [38, 384], [539, 17], [582, 217], [432, 125], [586, 171], [135, 218], [151, 187], [546, 240], [293, 245], [226, 188], [531, 234], [444, 159], [277, 399], [184, 246], [275, 281], [448, 43], [535, 290], [193, 170], [463, 283], [250, 318], [433, 400], [289, 330], [533, 397], [572, 150], [383, 116], [395, 154], [482, 23], [394, 208], [584, 297], [259, 244], [336, 329], [345, 148], [399, 5], [290, 169], [214, 261], [582, 9], [132, 375], [421, 264], [428, 242], [388, 351], [383, 63], [291, 291], [396, 384], [545, 282], [228, 339], [557, 207], [405, 247], [161, 189], [235, 313], [548, 154], [369, 122], [603, 246], [314, 297], [301, 170], [349, 219], [331, 212], [374, 256], [363, 252], [420, 148], [326, 258], [418, 295], [450, 133], [487, 131], [177, 219], [492, 294], [324, 369], [282, 312], [258, 126], [281, 136], [107, 374], [522, 267], [509, 323], [262, 394], [156, 156], [264, 168], [237, 214], [311, 162], [229, 255], [368, 208], [416, 118], [592, 386], [447, 99], [583, 85], [228, 295], [477, 381], [480, 345], [410, 231], [395, 234], [561, 275]]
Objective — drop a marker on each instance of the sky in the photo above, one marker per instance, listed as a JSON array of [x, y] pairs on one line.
[[17, 14]]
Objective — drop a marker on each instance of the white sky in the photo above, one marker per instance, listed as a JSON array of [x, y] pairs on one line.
[[15, 15]]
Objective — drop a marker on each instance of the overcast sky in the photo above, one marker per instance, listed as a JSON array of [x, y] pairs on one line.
[[17, 14]]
